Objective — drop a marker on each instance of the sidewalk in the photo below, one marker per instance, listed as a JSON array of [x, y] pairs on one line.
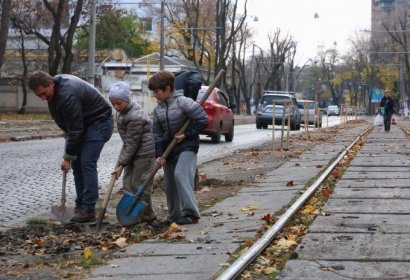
[[367, 234], [223, 227]]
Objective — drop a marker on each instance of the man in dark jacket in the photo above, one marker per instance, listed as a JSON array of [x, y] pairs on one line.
[[86, 118], [388, 104]]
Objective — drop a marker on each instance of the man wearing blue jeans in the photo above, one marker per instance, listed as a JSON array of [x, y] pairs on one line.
[[86, 118]]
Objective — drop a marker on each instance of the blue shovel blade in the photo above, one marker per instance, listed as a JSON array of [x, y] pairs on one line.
[[130, 209]]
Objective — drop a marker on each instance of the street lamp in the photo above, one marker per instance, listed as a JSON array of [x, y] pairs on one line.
[[91, 46]]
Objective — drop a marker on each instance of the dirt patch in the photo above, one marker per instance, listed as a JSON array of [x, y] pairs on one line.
[[49, 250]]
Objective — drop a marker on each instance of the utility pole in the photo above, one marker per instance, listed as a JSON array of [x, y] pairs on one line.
[[253, 79], [162, 39], [91, 46]]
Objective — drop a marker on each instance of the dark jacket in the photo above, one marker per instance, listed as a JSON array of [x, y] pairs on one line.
[[388, 104], [135, 129], [169, 116], [76, 105]]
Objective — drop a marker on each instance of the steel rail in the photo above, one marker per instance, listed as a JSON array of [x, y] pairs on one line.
[[255, 250]]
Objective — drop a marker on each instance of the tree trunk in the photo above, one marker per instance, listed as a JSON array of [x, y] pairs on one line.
[[22, 110]]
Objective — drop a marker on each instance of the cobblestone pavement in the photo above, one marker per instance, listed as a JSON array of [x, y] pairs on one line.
[[30, 177]]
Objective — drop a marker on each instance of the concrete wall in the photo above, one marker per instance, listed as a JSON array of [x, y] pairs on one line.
[[11, 98]]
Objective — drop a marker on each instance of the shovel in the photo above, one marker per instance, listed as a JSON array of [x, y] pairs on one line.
[[63, 213], [131, 206], [99, 222]]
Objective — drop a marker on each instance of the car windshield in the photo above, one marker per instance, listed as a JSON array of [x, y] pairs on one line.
[[332, 107], [309, 105], [267, 99]]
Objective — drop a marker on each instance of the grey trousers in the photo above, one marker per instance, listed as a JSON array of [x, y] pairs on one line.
[[179, 178], [134, 176]]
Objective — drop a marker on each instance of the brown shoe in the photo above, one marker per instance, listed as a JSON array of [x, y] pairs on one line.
[[84, 216]]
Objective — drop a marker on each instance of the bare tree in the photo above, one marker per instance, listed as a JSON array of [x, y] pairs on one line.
[[4, 28], [245, 82], [398, 33], [53, 14], [18, 41], [280, 61], [329, 60], [229, 24]]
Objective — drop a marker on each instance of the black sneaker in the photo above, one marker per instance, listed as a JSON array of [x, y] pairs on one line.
[[187, 220], [84, 216]]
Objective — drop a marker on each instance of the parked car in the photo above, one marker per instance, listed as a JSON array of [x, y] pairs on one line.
[[314, 115], [332, 110], [362, 111], [281, 99], [220, 115], [350, 111]]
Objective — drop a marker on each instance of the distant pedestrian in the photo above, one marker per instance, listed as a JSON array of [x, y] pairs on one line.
[[86, 118], [138, 156], [387, 108], [170, 114]]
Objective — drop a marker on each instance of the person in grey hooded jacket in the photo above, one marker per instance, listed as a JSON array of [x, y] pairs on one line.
[[137, 156], [171, 112]]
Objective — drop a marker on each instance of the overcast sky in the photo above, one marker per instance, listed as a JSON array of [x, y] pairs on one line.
[[338, 21]]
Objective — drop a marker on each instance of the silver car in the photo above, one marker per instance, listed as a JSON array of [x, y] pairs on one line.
[[332, 110], [264, 111], [312, 116]]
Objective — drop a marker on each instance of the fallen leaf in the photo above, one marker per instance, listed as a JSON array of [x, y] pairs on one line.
[[202, 176], [284, 243], [249, 208], [269, 270], [326, 192], [88, 253], [290, 183], [121, 242], [309, 209], [204, 190], [266, 218]]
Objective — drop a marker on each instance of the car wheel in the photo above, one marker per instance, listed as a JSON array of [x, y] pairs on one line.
[[229, 135], [293, 126], [216, 137], [258, 125], [265, 126]]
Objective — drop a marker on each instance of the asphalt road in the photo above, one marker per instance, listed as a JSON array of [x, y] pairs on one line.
[[31, 179]]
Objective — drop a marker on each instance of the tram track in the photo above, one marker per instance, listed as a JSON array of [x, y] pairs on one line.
[[250, 255]]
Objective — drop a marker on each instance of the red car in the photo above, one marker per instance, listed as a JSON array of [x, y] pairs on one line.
[[220, 115]]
